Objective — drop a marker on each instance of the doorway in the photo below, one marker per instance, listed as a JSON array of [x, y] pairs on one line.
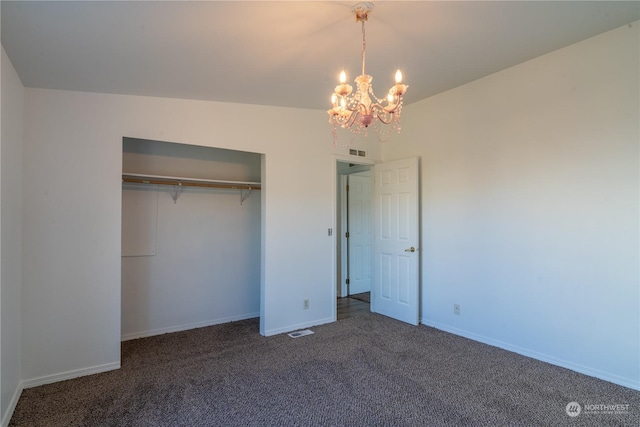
[[394, 221], [355, 238]]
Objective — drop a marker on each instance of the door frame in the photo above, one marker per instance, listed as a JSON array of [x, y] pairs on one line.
[[344, 219], [338, 220]]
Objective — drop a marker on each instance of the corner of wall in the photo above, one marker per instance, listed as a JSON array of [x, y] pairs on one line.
[[11, 141], [8, 413]]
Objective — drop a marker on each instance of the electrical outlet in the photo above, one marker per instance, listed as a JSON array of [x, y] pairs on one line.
[[305, 304], [456, 308]]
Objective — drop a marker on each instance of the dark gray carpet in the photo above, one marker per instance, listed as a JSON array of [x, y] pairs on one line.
[[364, 296], [362, 371]]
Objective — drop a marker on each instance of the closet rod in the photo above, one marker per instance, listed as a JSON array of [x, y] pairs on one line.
[[234, 186]]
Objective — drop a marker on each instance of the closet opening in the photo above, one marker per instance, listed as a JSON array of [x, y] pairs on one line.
[[191, 237]]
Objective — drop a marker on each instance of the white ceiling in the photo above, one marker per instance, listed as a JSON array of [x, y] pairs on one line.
[[285, 53]]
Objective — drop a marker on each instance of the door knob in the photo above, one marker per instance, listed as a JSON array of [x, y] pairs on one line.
[[411, 249]]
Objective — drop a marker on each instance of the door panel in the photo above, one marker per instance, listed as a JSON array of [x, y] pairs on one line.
[[395, 288]]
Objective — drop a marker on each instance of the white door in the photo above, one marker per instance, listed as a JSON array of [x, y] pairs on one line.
[[359, 241], [395, 288]]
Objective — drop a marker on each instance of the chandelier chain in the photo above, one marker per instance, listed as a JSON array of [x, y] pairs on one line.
[[364, 47]]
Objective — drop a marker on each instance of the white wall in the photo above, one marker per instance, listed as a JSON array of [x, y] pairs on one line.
[[203, 263], [72, 206], [530, 206], [11, 242]]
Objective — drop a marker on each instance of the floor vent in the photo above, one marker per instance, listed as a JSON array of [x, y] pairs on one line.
[[299, 334]]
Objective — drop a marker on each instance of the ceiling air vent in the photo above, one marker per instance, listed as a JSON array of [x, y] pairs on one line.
[[359, 153]]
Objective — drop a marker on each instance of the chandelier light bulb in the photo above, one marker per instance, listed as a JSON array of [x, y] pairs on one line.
[[343, 77], [398, 76]]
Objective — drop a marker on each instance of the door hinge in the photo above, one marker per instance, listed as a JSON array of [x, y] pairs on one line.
[[347, 281], [346, 234], [347, 187]]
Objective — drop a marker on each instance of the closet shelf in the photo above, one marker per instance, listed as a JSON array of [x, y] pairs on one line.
[[179, 182]]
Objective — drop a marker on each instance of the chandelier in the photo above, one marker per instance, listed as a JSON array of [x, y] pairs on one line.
[[362, 110]]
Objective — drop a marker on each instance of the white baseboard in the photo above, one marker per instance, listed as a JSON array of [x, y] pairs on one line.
[[615, 379], [299, 326], [186, 327], [62, 376], [12, 405]]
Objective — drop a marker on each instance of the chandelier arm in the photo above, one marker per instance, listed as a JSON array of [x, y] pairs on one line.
[[390, 108], [383, 115], [361, 108], [351, 119], [346, 120], [396, 107]]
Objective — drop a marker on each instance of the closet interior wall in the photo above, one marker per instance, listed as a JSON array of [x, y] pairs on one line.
[[194, 261]]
